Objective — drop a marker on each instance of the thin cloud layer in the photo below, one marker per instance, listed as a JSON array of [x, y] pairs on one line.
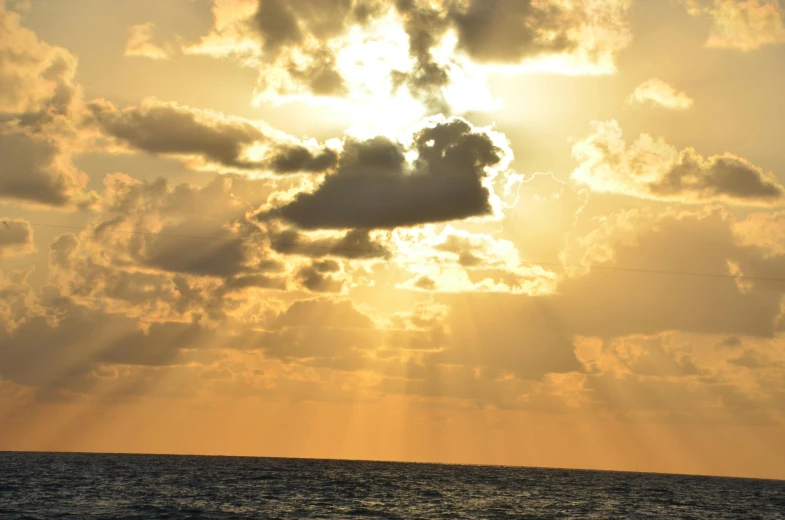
[[34, 170], [651, 168], [16, 237], [375, 186], [744, 25], [141, 44], [658, 93], [158, 127]]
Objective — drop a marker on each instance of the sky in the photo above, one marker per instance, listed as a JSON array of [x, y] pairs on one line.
[[518, 232]]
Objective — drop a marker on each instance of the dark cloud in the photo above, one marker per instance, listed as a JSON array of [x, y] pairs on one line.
[[319, 75], [508, 31], [320, 277], [286, 25], [720, 176], [375, 187], [80, 339], [425, 27], [170, 129], [356, 244], [34, 169], [194, 235], [650, 168], [298, 158]]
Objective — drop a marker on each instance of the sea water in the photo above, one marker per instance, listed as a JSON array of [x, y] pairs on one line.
[[51, 485]]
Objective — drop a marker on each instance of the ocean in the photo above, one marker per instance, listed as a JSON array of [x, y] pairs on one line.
[[58, 485]]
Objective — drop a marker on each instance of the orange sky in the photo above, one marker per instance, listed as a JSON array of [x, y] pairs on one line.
[[506, 232]]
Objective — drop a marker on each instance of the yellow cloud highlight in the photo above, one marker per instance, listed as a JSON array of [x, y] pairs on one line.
[[744, 25], [395, 62], [140, 43], [656, 92], [650, 168]]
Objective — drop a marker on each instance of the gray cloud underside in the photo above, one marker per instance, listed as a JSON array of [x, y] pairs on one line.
[[727, 175], [374, 187], [169, 129], [29, 171], [494, 31]]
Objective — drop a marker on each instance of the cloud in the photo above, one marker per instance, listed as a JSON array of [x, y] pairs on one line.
[[744, 25], [39, 104], [162, 128], [512, 333], [650, 168], [375, 186], [322, 276], [658, 93], [618, 296], [356, 244], [764, 230], [16, 237], [140, 43], [34, 76], [35, 170], [312, 48]]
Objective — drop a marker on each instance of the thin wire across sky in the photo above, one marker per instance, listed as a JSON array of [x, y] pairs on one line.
[[331, 248]]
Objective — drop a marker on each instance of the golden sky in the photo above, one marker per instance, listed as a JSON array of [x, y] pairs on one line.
[[524, 232]]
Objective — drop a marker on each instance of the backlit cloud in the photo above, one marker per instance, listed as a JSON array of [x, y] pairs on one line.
[[376, 186], [140, 43], [657, 92], [208, 137], [431, 49], [651, 168]]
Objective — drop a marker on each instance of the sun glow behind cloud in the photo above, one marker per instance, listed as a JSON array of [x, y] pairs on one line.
[[386, 271]]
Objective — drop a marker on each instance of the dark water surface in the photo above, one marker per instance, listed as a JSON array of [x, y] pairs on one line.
[[49, 485]]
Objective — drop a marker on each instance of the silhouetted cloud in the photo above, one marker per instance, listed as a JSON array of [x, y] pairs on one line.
[[35, 170], [300, 46], [163, 128], [374, 186]]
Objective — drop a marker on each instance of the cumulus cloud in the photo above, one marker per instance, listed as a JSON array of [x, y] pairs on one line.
[[16, 237], [39, 101], [658, 93], [35, 170], [744, 25], [34, 76], [375, 185], [322, 276], [651, 168], [164, 128], [140, 43]]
